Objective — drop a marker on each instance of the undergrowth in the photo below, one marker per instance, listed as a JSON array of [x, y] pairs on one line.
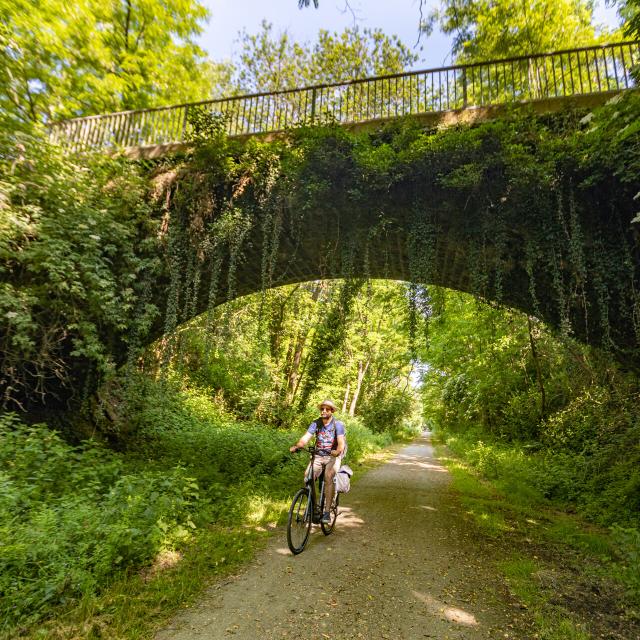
[[81, 526]]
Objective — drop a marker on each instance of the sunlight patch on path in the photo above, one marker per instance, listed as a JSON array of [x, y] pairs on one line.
[[412, 461], [453, 614], [348, 519]]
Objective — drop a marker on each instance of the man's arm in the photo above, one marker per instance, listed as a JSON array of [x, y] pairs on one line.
[[340, 448], [302, 442]]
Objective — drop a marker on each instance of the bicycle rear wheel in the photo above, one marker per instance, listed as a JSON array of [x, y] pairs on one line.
[[299, 523], [327, 527]]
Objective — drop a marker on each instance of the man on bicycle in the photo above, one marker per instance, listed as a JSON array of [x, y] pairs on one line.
[[330, 444]]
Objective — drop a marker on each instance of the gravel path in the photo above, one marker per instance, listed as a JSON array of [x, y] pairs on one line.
[[402, 563]]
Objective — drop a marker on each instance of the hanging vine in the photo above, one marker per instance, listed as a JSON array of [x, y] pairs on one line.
[[473, 208]]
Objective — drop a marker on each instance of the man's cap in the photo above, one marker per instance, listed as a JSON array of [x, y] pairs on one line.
[[327, 403]]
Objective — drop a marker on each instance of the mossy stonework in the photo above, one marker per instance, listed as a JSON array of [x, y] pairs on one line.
[[531, 212]]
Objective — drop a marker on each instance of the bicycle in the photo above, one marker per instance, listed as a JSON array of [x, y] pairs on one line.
[[307, 508]]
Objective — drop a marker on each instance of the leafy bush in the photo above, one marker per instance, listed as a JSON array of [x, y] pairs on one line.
[[521, 416], [536, 411], [361, 440], [386, 411], [578, 425], [76, 247], [73, 517], [602, 486]]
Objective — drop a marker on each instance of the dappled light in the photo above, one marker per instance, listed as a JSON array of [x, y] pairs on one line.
[[166, 559], [349, 519], [416, 462], [283, 551], [453, 614]]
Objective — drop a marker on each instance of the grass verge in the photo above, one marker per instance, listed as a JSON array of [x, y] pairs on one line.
[[565, 571], [134, 606]]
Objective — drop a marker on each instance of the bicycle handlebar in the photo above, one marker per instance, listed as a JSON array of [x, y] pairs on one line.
[[310, 449]]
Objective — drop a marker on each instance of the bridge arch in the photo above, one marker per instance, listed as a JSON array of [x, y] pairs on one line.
[[500, 210]]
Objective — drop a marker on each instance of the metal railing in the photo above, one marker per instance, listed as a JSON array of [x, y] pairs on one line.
[[572, 72]]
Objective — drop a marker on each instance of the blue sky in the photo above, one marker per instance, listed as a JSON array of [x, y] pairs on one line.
[[399, 17]]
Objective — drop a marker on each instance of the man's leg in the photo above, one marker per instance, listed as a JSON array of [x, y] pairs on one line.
[[317, 467], [332, 467]]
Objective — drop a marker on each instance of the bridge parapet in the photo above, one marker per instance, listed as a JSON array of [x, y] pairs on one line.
[[569, 73]]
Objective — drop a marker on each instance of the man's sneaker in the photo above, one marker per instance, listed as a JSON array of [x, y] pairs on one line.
[[326, 517]]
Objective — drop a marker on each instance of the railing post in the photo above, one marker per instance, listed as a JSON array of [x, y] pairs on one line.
[[313, 105], [464, 87], [184, 123]]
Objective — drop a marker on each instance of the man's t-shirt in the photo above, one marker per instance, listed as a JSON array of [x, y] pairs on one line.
[[326, 435]]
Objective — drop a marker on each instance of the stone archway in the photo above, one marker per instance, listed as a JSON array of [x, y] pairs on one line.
[[460, 212]]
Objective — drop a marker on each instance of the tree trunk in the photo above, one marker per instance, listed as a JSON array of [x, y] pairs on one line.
[[406, 384], [294, 374], [346, 396], [276, 308], [293, 377], [362, 370]]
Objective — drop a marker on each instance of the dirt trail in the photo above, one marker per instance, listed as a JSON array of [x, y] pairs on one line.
[[402, 564]]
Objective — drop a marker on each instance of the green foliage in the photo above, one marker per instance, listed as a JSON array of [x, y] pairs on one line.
[[329, 337], [72, 518], [232, 212], [100, 57], [487, 392], [629, 11], [627, 540], [387, 410], [363, 440], [76, 252], [521, 574], [604, 149], [503, 507], [478, 27], [268, 63], [205, 127], [263, 353]]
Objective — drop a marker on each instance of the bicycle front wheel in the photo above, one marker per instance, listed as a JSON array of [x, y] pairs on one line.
[[299, 523]]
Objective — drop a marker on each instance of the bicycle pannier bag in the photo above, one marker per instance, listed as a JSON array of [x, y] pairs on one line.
[[343, 479]]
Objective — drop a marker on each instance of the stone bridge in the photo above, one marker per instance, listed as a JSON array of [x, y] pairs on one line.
[[559, 247], [543, 236]]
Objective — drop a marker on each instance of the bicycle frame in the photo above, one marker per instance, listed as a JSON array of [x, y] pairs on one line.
[[300, 521], [316, 493]]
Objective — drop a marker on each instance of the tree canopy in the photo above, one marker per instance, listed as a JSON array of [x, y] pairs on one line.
[[60, 60], [488, 29], [270, 62]]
